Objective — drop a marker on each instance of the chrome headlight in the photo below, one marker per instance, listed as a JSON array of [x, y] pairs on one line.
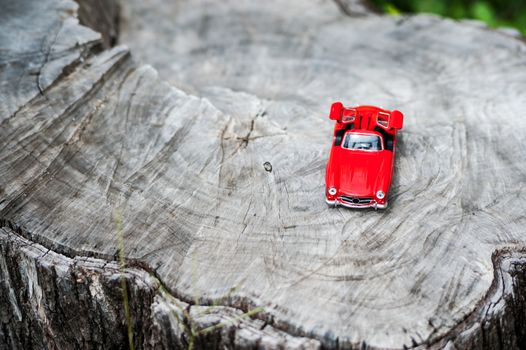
[[380, 195], [332, 191]]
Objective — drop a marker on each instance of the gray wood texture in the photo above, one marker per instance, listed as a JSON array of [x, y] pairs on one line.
[[86, 134], [51, 301]]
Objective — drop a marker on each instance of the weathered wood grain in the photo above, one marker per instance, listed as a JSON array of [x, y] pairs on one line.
[[85, 135], [103, 17], [36, 49], [73, 303], [403, 276]]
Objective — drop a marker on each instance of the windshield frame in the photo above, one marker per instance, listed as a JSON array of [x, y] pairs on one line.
[[365, 134]]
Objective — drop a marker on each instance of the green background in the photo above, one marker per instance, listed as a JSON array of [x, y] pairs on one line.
[[496, 13]]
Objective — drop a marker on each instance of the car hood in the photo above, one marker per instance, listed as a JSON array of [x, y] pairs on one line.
[[363, 173]]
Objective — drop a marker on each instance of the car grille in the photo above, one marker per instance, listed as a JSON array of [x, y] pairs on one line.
[[356, 200]]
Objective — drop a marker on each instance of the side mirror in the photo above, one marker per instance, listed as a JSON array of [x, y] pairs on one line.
[[336, 111], [396, 121]]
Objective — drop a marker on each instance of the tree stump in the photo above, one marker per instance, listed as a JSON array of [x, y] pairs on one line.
[[182, 205]]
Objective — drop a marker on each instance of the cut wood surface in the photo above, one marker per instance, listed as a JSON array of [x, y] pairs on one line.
[[88, 137]]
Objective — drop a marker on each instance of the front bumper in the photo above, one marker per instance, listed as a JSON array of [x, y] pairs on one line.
[[372, 204]]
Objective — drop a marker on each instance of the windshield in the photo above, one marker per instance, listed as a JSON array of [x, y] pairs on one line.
[[362, 142]]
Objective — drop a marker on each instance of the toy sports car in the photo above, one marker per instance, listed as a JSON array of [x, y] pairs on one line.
[[360, 166]]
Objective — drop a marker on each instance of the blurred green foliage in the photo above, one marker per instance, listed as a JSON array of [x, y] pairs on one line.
[[496, 13]]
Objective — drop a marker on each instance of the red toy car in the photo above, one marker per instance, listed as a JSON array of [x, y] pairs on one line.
[[360, 166]]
